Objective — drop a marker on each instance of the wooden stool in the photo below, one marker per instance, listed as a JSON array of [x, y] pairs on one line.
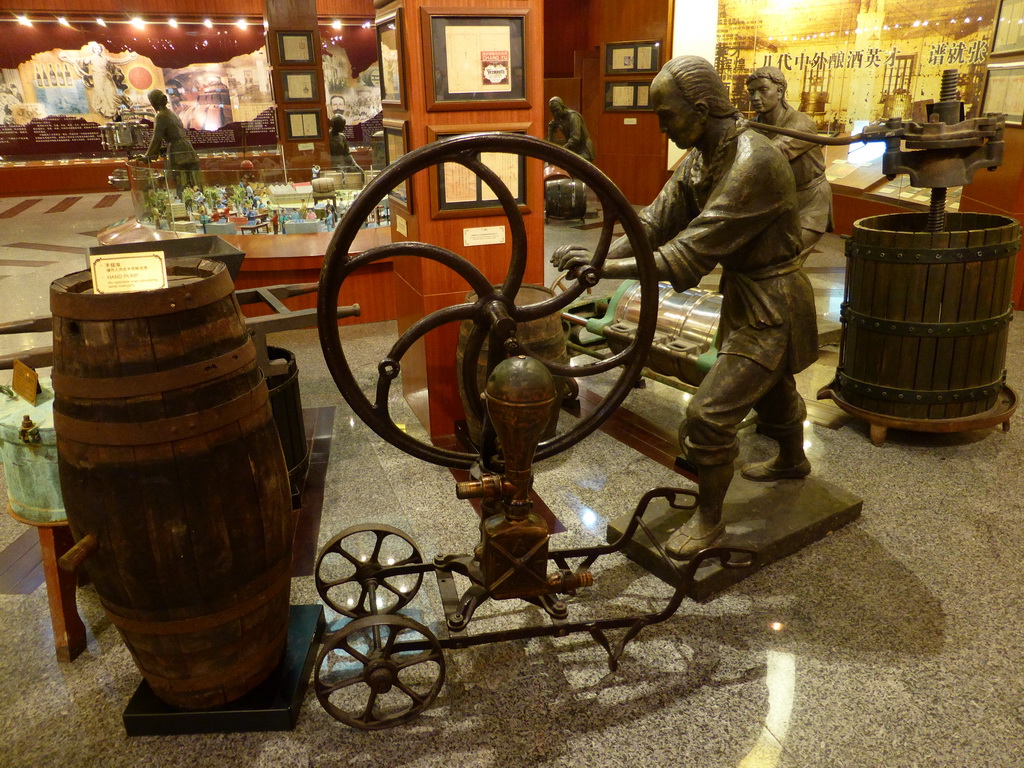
[[68, 630]]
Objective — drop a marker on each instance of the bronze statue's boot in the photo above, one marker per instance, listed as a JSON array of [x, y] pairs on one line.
[[791, 462], [706, 526]]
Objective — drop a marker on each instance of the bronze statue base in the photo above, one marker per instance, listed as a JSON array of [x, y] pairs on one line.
[[774, 519]]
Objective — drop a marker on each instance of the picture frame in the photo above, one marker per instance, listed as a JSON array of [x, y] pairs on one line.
[[391, 55], [1004, 92], [1009, 35], [627, 96], [299, 85], [295, 47], [303, 124], [475, 59], [396, 144], [455, 191], [630, 58]]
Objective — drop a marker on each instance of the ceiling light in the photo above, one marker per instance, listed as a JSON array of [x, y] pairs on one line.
[[138, 23], [336, 24], [173, 23], [101, 22], [24, 21], [241, 23], [62, 21], [207, 23]]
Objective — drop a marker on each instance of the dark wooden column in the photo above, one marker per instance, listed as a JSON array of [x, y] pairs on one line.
[[297, 19]]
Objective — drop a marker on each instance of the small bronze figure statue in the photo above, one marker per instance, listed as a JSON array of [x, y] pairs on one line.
[[733, 202], [182, 160], [767, 89], [570, 124], [341, 157]]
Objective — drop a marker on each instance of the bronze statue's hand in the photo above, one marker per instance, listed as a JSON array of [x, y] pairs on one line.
[[569, 257]]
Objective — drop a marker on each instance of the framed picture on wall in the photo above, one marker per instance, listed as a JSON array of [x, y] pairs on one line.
[[476, 59], [1009, 28], [627, 96], [632, 58], [302, 124], [456, 190], [295, 47], [396, 144], [299, 85], [1004, 92], [390, 48]]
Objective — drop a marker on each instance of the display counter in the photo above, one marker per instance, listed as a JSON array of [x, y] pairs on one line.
[[252, 208]]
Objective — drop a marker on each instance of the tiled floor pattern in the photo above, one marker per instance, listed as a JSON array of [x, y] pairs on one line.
[[895, 642]]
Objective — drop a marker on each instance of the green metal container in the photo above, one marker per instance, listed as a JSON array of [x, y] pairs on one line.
[[30, 458]]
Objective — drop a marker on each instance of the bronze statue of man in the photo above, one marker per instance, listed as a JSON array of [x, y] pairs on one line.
[[767, 89], [732, 202], [570, 124], [182, 160]]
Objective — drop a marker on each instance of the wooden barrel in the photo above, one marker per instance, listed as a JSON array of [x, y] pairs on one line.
[[926, 315], [169, 456], [543, 337], [328, 182], [565, 199]]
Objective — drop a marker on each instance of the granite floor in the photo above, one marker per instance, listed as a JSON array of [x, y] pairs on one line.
[[896, 641]]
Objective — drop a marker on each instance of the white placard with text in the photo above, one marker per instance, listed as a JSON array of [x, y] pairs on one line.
[[128, 272], [483, 235]]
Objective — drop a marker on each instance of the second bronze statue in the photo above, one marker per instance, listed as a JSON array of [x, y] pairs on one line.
[[767, 89], [570, 124]]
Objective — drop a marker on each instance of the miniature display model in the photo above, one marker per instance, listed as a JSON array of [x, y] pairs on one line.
[[570, 124], [767, 89], [731, 202], [182, 160]]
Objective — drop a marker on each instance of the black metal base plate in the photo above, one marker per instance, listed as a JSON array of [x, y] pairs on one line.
[[271, 706], [774, 519]]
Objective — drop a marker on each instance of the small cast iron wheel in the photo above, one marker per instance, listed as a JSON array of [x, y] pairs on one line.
[[379, 671], [495, 307], [362, 554]]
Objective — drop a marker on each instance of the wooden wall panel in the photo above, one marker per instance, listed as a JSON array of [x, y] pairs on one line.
[[1002, 191], [634, 156], [568, 88], [203, 8], [566, 25]]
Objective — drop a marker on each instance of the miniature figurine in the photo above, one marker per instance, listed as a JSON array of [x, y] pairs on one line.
[[570, 123], [182, 160], [732, 201], [767, 89], [341, 157]]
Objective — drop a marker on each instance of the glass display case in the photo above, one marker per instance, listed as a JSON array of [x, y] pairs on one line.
[[252, 195]]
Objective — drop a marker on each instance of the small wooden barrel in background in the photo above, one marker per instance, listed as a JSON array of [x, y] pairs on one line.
[[565, 199], [169, 456], [926, 316]]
